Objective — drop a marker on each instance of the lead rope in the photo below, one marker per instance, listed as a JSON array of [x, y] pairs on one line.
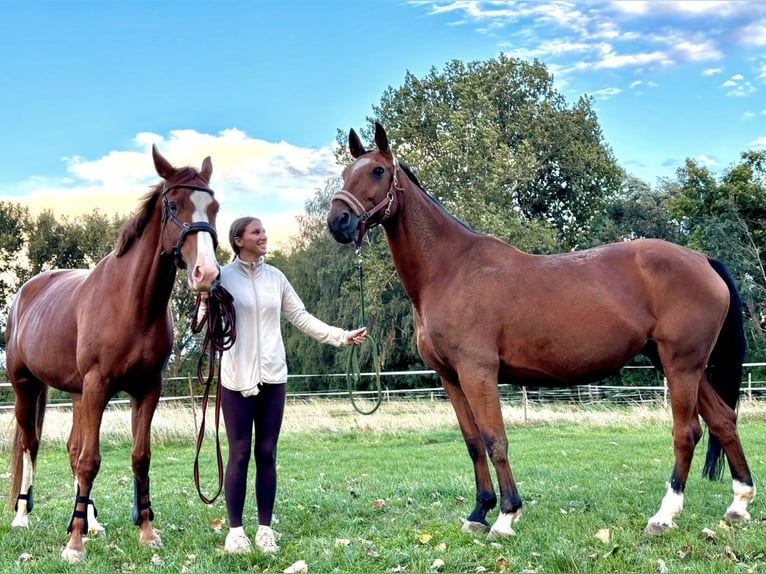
[[220, 318], [353, 369]]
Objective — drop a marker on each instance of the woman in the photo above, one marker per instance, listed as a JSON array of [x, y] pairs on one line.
[[254, 373]]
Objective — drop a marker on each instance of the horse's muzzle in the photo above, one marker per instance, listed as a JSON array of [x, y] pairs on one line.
[[342, 225]]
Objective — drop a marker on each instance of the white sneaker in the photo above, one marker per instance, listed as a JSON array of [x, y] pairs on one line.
[[265, 540], [237, 541]]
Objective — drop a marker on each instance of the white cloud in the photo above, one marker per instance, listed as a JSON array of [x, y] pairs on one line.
[[754, 34], [250, 177], [758, 142], [706, 160], [606, 93], [657, 31]]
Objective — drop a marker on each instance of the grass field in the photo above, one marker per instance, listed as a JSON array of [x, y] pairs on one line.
[[388, 493]]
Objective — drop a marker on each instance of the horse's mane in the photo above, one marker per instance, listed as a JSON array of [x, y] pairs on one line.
[[134, 227], [413, 178]]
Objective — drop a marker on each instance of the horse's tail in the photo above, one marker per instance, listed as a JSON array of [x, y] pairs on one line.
[[725, 367], [17, 456]]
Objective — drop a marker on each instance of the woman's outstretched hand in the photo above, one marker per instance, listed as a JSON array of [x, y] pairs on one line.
[[356, 337]]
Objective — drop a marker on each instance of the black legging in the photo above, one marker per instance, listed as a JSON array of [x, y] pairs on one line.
[[241, 415]]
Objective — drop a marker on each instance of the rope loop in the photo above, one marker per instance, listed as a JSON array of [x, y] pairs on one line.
[[353, 368], [216, 312]]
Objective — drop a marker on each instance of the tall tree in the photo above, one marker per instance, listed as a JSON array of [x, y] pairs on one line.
[[725, 218], [501, 149]]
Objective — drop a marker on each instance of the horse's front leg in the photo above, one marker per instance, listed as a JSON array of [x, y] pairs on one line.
[[486, 499], [73, 448], [85, 460], [143, 408], [686, 434]]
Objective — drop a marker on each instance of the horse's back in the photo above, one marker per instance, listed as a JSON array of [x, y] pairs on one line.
[[571, 317]]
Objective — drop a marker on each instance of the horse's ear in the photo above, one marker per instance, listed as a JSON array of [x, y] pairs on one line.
[[163, 167], [207, 169], [381, 139], [355, 144]]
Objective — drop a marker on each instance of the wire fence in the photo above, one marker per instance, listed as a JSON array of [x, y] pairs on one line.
[[753, 388]]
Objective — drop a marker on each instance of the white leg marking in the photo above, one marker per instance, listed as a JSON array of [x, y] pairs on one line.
[[94, 527], [502, 526], [743, 494], [671, 507], [21, 520]]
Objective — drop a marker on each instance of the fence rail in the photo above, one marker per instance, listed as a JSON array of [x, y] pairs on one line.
[[753, 387]]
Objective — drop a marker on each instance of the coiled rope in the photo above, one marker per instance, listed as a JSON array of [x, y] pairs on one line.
[[353, 368], [216, 312]]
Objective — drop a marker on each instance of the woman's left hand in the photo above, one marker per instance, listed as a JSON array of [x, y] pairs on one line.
[[357, 336]]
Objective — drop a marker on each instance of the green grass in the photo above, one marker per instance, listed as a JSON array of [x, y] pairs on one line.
[[575, 480]]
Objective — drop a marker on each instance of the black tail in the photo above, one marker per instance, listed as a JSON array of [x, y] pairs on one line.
[[725, 367]]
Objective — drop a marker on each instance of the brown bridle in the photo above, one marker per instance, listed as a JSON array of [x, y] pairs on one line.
[[168, 214], [364, 216]]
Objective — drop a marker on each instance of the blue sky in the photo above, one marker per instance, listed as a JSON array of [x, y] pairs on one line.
[[262, 87]]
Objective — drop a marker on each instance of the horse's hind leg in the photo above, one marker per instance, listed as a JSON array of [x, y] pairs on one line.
[[486, 499], [686, 434], [722, 423], [143, 408], [29, 408]]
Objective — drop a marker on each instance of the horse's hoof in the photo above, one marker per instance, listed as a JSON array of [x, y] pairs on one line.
[[20, 522], [470, 526], [736, 516], [656, 529], [154, 542], [73, 556], [498, 533]]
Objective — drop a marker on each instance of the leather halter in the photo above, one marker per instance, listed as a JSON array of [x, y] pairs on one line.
[[186, 228], [364, 216]]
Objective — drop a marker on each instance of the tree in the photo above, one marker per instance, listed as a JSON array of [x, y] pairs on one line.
[[499, 147], [725, 219], [15, 225], [636, 211]]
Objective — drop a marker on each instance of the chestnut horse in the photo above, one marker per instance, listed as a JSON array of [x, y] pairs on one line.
[[487, 313], [95, 332]]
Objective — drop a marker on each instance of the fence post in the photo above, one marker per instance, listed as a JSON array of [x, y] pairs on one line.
[[524, 401], [193, 405], [665, 391]]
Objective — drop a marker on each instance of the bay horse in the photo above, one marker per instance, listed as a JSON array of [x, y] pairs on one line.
[[95, 332], [486, 312]]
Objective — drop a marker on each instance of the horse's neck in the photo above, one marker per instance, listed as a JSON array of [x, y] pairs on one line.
[[424, 240], [147, 278]]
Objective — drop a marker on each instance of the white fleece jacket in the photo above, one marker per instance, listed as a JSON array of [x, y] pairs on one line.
[[261, 295]]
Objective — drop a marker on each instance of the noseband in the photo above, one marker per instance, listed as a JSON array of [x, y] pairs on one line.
[[364, 216], [168, 214]]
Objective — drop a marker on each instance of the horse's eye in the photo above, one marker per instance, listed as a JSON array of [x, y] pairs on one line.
[[378, 171], [172, 206]]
